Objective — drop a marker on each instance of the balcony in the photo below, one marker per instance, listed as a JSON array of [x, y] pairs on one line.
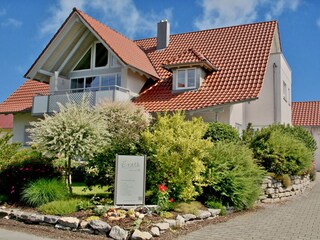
[[48, 104]]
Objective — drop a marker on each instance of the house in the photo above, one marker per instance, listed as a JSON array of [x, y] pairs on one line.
[[6, 124], [307, 115], [236, 75]]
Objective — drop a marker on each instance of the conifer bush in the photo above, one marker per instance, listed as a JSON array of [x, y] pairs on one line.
[[221, 132], [231, 176]]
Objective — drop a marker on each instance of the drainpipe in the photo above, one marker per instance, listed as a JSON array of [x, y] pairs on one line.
[[275, 93]]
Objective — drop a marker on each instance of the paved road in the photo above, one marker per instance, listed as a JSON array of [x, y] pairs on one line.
[[297, 219], [12, 235]]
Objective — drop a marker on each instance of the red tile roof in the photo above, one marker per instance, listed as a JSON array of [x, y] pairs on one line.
[[125, 48], [306, 113], [6, 121], [240, 53], [21, 99], [190, 56]]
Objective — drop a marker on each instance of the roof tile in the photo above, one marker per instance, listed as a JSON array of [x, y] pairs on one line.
[[306, 113]]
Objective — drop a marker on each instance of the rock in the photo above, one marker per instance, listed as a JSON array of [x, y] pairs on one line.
[[50, 219], [162, 226], [118, 233], [70, 222], [189, 217], [138, 235], [4, 212], [34, 218], [203, 214], [83, 224], [59, 226], [87, 230], [270, 191], [215, 212], [155, 232], [141, 216], [172, 222], [180, 221], [100, 226]]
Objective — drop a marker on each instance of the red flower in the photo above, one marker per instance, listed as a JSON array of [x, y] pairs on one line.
[[171, 200], [162, 188]]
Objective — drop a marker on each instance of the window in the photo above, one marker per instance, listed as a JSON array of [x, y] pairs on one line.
[[186, 78], [96, 58], [85, 62], [101, 58], [285, 91], [96, 83]]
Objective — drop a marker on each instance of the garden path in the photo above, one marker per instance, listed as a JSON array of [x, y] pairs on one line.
[[7, 235], [299, 218]]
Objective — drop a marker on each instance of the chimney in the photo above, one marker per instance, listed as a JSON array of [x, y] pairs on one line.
[[163, 34]]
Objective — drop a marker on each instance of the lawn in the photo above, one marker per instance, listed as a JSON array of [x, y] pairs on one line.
[[81, 190]]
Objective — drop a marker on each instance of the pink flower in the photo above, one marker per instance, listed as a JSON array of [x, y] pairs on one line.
[[171, 200], [162, 188]]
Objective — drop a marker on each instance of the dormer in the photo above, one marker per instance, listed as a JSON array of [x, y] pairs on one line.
[[189, 70]]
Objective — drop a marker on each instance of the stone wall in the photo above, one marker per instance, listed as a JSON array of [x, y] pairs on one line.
[[273, 190]]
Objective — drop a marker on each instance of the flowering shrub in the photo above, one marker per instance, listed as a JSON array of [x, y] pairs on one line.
[[25, 166], [164, 201]]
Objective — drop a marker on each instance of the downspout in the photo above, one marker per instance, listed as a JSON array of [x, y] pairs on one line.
[[275, 94]]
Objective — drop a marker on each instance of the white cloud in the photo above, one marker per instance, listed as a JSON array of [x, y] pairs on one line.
[[11, 22], [218, 13], [59, 14], [318, 22], [121, 15]]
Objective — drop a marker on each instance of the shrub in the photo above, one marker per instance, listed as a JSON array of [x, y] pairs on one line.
[[232, 177], [25, 166], [43, 191], [124, 124], [175, 148], [188, 207], [280, 152], [221, 132], [7, 149], [61, 207]]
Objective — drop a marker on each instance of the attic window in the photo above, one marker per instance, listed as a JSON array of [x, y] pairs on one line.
[[85, 62], [101, 58], [186, 78]]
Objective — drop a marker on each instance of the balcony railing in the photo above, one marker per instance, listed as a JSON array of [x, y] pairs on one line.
[[49, 103]]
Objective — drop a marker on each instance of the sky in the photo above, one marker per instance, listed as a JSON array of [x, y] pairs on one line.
[[27, 26]]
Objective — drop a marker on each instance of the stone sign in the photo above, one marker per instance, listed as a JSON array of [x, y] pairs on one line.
[[130, 180]]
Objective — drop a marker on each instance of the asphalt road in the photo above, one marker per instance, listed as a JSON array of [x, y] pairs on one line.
[[12, 235]]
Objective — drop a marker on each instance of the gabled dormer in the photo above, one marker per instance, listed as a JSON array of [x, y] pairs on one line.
[[189, 70]]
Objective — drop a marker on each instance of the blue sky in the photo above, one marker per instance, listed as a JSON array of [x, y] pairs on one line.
[[27, 26]]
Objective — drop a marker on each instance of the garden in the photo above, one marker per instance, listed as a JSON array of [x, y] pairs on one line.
[[194, 169]]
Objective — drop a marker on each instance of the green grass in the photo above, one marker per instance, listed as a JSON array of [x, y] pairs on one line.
[[61, 208], [80, 189]]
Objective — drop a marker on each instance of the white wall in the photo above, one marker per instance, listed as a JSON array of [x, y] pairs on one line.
[[20, 122], [135, 82]]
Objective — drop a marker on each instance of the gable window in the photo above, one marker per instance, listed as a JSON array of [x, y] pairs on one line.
[[85, 62], [101, 58], [96, 58], [186, 78]]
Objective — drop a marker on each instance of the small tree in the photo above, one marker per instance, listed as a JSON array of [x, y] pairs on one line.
[[7, 149], [221, 132], [74, 132], [124, 123]]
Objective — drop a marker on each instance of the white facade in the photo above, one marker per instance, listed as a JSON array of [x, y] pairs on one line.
[[21, 122], [315, 131]]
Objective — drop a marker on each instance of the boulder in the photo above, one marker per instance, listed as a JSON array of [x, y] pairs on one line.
[[70, 222], [100, 226], [138, 235], [189, 216], [118, 233], [51, 219], [155, 232], [162, 226]]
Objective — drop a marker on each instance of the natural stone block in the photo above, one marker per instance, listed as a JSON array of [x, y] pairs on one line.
[[69, 222], [62, 227], [100, 226], [172, 222], [215, 212], [162, 226], [203, 214], [138, 235], [189, 216], [155, 232], [51, 219], [118, 233]]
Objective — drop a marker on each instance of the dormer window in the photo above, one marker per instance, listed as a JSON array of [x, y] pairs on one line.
[[186, 78]]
